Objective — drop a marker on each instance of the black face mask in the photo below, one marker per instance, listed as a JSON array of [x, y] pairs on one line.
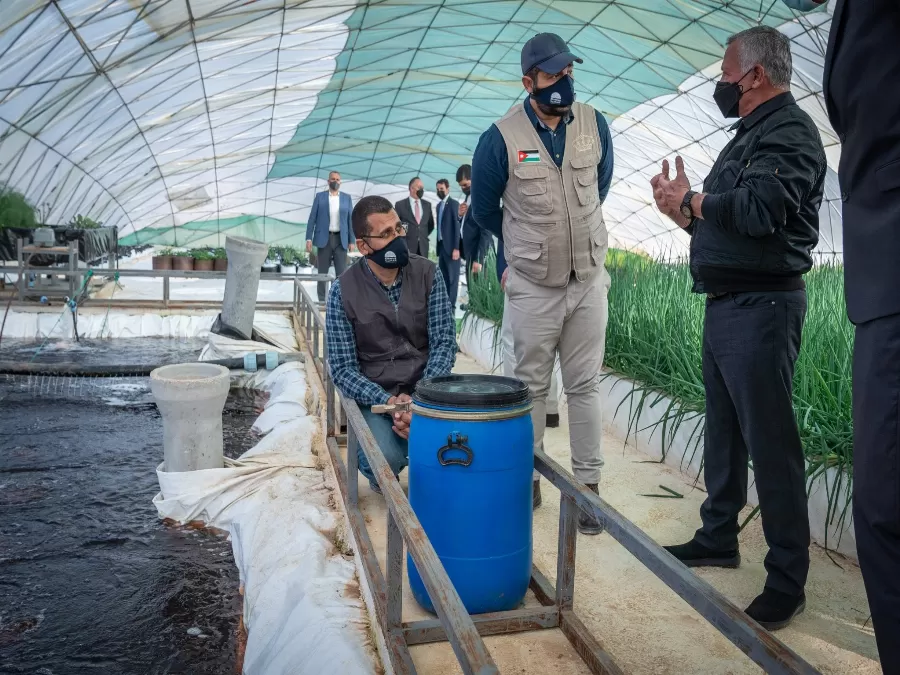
[[392, 256], [728, 96], [441, 194], [556, 99], [334, 185], [466, 191], [420, 193]]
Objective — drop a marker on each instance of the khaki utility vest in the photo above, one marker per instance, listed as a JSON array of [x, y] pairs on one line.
[[552, 221]]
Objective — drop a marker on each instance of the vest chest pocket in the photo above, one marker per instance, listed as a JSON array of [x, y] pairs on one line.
[[584, 174], [534, 189]]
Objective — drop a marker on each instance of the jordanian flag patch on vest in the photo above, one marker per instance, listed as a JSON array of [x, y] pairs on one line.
[[529, 156]]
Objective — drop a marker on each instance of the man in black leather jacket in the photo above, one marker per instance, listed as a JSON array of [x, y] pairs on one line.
[[753, 228]]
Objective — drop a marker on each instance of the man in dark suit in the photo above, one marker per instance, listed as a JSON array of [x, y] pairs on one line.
[[475, 241], [328, 229], [448, 238], [861, 67], [416, 213]]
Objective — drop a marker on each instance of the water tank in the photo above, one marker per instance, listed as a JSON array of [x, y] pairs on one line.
[[43, 236], [470, 466]]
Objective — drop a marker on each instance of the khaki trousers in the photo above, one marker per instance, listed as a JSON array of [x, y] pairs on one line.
[[572, 321], [508, 356]]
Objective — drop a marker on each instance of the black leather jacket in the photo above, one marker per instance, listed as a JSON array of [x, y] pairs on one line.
[[760, 217]]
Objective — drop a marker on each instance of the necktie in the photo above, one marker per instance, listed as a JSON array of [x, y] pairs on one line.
[[418, 212], [440, 219]]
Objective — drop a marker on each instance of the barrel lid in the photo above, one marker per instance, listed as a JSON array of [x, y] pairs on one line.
[[471, 390]]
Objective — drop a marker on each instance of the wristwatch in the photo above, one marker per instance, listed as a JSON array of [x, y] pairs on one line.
[[686, 209]]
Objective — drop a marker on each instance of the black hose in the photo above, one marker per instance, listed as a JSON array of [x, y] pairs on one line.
[[106, 370]]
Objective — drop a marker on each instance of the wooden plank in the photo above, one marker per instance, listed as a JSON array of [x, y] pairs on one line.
[[498, 623], [588, 647], [470, 650], [772, 655], [565, 557], [401, 660]]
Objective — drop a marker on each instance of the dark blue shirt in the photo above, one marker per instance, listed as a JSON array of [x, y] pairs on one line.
[[490, 166]]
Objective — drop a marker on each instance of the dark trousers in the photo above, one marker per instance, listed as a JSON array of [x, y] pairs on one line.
[[750, 345], [335, 252], [450, 271], [876, 477]]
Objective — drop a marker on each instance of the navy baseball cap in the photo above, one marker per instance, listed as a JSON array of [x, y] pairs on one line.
[[549, 52]]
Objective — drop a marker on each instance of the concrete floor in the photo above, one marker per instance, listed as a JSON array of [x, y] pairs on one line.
[[645, 626]]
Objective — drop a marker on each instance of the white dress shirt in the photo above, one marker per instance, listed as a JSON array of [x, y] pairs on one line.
[[334, 208]]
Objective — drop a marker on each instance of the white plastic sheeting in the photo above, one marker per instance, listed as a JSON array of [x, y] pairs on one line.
[[56, 323], [302, 605]]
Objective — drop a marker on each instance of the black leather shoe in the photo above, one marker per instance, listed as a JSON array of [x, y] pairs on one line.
[[695, 554], [773, 609], [552, 421], [587, 523], [536, 495]]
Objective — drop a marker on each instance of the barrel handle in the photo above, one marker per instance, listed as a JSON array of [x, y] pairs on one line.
[[455, 441]]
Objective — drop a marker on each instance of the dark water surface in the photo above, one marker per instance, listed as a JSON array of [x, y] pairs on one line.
[[91, 581]]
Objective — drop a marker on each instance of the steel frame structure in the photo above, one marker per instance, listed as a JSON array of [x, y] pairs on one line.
[[454, 624]]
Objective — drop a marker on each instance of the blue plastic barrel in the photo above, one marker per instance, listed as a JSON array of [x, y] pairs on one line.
[[470, 465]]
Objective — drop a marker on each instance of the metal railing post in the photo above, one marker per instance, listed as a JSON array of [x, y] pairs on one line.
[[565, 557], [394, 618], [23, 272], [352, 466]]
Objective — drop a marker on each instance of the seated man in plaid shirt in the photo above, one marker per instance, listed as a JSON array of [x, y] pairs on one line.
[[388, 324]]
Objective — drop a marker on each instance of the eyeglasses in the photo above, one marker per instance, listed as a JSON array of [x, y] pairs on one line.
[[399, 230]]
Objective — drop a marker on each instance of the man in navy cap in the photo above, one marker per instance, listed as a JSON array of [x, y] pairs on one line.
[[550, 160]]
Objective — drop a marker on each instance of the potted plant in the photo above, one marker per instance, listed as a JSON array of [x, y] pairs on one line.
[[288, 260], [271, 264], [163, 260], [203, 259], [220, 260], [182, 260], [80, 222]]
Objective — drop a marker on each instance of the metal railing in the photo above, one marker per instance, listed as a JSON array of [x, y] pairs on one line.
[[465, 632], [76, 278]]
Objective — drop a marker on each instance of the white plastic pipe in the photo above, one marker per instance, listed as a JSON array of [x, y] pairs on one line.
[[245, 259], [190, 398]]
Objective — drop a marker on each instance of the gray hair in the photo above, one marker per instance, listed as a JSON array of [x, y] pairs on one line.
[[767, 47]]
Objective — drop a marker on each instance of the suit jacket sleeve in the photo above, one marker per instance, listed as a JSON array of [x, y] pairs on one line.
[[347, 225], [398, 207], [311, 221], [428, 210]]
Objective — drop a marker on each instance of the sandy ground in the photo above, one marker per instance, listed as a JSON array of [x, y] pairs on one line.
[[644, 625]]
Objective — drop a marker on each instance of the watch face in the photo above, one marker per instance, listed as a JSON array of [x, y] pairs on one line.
[[686, 211]]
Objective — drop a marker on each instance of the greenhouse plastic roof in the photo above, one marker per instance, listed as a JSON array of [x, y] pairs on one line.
[[182, 120]]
